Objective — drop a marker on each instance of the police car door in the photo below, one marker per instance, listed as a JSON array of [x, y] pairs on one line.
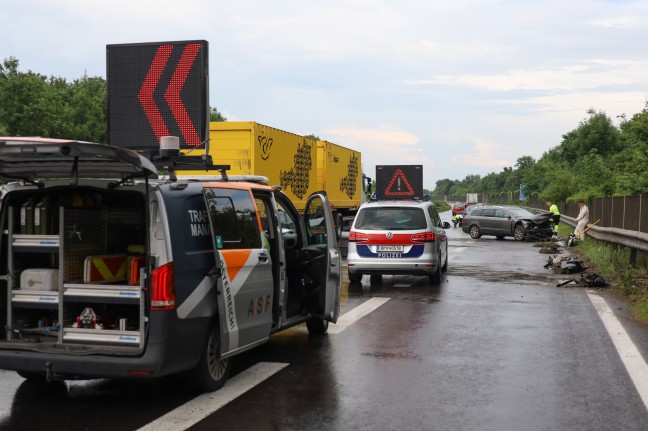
[[322, 256], [245, 285]]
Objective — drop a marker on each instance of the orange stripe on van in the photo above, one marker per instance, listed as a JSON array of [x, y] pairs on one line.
[[235, 260]]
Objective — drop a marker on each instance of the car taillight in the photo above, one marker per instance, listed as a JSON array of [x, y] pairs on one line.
[[423, 237], [358, 236], [163, 289]]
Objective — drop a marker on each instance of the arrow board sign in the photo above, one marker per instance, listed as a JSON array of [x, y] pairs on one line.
[[399, 182], [157, 89]]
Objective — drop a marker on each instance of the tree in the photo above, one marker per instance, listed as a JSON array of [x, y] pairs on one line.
[[214, 115]]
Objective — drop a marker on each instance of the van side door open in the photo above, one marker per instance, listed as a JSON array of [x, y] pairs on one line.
[[321, 257], [245, 285]]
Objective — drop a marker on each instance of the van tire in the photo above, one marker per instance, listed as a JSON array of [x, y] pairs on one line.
[[211, 372], [317, 326]]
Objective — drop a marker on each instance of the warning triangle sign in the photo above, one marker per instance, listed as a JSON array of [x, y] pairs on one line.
[[399, 185]]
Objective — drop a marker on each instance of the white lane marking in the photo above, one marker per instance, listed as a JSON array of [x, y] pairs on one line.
[[630, 356], [203, 405], [350, 317], [455, 251]]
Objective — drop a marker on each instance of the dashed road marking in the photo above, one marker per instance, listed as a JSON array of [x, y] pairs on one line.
[[350, 317], [455, 251], [630, 356], [204, 405]]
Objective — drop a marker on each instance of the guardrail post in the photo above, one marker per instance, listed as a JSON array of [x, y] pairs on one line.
[[633, 256]]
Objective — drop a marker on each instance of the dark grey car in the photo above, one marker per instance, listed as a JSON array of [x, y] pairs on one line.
[[503, 221]]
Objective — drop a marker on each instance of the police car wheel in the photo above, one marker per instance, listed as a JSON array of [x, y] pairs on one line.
[[355, 277], [212, 372], [317, 325], [444, 268], [435, 278], [375, 278]]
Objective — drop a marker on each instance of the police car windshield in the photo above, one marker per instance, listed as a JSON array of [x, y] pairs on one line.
[[391, 218]]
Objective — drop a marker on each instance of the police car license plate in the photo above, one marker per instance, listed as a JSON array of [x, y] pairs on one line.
[[392, 248]]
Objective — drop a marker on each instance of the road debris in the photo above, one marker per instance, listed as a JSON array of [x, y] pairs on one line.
[[587, 280]]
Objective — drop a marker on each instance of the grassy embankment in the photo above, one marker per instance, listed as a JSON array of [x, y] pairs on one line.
[[611, 261]]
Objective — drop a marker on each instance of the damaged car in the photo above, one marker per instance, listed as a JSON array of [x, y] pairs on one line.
[[502, 221]]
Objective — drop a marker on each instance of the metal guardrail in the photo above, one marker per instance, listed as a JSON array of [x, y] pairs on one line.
[[628, 238]]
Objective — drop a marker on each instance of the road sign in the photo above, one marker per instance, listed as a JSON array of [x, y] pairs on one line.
[[399, 182], [157, 89]]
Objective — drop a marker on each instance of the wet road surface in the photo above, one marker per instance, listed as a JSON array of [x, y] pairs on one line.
[[495, 346]]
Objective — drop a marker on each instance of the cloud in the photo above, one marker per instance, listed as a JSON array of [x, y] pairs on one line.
[[591, 74], [384, 145]]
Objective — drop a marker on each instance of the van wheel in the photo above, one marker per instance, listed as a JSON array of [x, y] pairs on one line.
[[435, 278], [211, 372], [355, 277], [317, 326], [474, 232]]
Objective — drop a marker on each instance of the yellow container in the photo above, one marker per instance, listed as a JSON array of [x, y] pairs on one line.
[[299, 165], [339, 172]]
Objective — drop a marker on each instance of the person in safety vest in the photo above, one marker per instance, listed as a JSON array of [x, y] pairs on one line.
[[553, 208], [456, 219]]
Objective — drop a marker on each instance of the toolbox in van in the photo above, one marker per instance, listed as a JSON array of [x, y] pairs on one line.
[[39, 279]]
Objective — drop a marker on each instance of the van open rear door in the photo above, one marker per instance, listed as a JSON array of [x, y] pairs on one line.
[[325, 260]]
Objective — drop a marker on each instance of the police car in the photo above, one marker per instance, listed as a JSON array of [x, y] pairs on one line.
[[397, 237], [109, 271]]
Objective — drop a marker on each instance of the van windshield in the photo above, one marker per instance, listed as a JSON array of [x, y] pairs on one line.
[[391, 218]]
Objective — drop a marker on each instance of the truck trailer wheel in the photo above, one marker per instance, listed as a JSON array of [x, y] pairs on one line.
[[339, 225], [211, 372]]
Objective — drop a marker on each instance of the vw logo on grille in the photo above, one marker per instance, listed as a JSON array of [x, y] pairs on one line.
[[390, 235]]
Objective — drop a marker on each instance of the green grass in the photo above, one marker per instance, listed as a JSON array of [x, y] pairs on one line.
[[612, 262], [442, 206]]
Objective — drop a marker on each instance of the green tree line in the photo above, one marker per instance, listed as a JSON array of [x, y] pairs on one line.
[[596, 159], [32, 104]]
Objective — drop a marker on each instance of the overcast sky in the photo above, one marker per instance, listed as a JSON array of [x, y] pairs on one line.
[[462, 87]]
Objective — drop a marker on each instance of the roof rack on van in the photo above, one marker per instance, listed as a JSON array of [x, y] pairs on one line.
[[169, 158], [257, 179]]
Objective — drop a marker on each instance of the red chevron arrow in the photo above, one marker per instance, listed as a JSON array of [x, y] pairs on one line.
[[145, 94], [172, 94]]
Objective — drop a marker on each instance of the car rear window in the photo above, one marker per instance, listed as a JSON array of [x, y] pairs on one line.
[[391, 218]]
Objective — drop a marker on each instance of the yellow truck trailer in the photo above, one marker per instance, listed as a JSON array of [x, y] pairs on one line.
[[298, 164]]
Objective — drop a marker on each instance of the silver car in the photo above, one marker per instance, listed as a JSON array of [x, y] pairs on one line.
[[397, 237]]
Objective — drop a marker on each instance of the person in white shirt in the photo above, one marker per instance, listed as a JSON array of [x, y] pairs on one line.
[[582, 220]]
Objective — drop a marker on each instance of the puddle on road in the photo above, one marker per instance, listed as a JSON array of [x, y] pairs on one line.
[[391, 356], [510, 277]]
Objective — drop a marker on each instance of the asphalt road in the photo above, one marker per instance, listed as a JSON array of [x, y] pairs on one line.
[[496, 346]]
